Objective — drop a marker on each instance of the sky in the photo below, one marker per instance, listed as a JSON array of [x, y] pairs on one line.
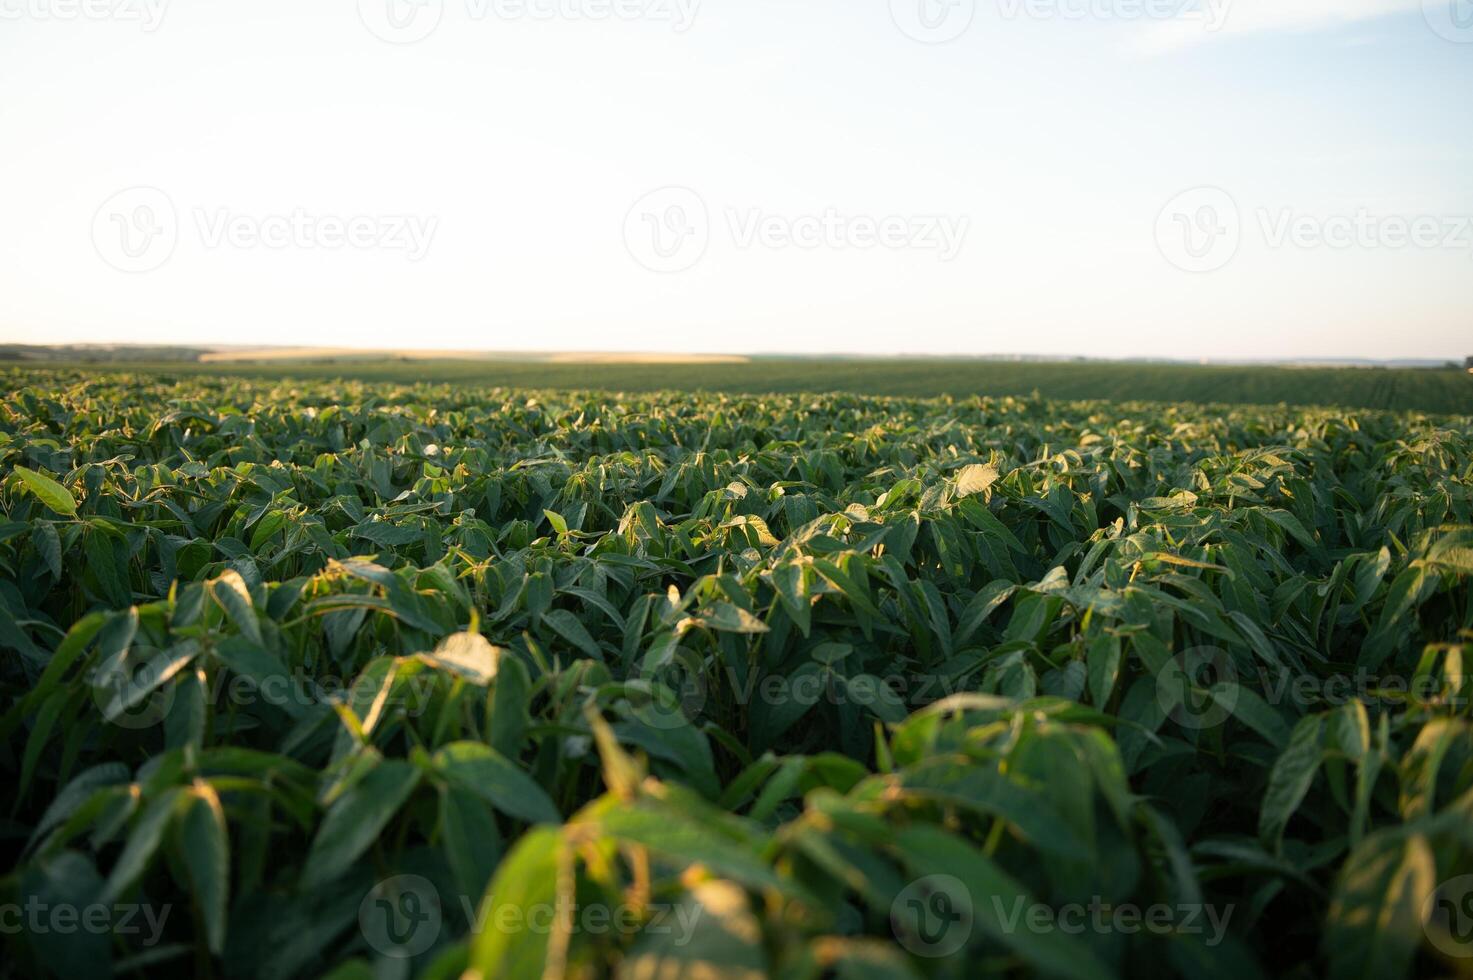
[[1170, 178]]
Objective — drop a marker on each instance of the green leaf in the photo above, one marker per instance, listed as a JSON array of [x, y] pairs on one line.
[[120, 689], [684, 831], [868, 959], [46, 718], [526, 880], [980, 608], [356, 819], [251, 660], [673, 738], [569, 628], [187, 714], [67, 880], [143, 842], [470, 839], [83, 787], [388, 535], [1104, 668], [997, 903], [1251, 710], [727, 618], [102, 562], [1291, 524], [48, 545], [1421, 764], [988, 791], [48, 491], [509, 707], [1376, 912], [74, 645], [479, 770], [790, 584], [872, 693], [722, 942], [234, 597], [205, 850], [1290, 780]]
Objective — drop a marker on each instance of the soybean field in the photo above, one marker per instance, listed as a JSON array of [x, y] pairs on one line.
[[309, 676]]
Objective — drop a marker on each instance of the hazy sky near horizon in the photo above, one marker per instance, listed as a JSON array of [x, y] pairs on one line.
[[1182, 178]]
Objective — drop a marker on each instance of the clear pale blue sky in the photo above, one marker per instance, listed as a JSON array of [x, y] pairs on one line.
[[520, 145]]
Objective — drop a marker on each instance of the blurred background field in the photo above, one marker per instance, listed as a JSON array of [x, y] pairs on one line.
[[1442, 390]]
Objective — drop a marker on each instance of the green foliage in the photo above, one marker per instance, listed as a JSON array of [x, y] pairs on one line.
[[1397, 389], [357, 678]]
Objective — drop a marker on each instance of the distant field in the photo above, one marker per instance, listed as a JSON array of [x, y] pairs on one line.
[[1442, 391], [340, 354]]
